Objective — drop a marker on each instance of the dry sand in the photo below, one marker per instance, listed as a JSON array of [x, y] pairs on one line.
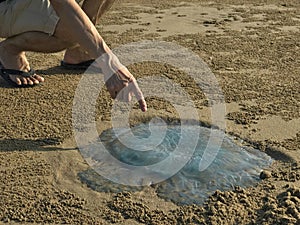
[[252, 48]]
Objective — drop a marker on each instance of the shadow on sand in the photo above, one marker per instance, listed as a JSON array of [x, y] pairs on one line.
[[49, 144]]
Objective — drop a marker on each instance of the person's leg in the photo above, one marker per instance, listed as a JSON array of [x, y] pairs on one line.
[[18, 20], [13, 53], [94, 9], [74, 27]]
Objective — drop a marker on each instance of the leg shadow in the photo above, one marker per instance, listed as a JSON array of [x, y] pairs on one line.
[[49, 144]]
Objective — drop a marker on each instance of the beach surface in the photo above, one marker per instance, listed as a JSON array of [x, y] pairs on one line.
[[252, 48]]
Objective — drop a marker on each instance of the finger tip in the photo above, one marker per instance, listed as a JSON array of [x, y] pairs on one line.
[[144, 108]]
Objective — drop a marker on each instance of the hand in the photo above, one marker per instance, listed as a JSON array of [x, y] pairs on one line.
[[120, 83], [122, 86]]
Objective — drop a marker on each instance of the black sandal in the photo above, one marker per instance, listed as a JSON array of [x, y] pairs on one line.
[[6, 72], [77, 66]]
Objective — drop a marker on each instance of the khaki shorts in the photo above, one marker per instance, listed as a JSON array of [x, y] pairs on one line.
[[18, 16]]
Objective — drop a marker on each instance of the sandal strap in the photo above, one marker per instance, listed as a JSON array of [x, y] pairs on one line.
[[18, 72]]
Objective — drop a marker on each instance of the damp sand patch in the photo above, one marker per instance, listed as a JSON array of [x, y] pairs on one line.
[[147, 147]]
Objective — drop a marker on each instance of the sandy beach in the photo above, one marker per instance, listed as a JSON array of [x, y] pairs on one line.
[[253, 49]]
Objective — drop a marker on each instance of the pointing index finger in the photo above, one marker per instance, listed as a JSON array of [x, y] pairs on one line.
[[139, 95]]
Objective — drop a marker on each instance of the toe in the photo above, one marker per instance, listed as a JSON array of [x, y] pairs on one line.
[[24, 80], [34, 80], [18, 81], [30, 81], [38, 78]]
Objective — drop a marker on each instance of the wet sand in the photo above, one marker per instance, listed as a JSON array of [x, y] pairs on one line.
[[253, 50]]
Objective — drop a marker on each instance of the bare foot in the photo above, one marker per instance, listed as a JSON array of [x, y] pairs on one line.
[[76, 55], [10, 58]]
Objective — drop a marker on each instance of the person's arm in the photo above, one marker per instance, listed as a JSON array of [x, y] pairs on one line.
[[75, 26]]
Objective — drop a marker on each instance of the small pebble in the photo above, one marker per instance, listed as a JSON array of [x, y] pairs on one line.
[[265, 174]]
